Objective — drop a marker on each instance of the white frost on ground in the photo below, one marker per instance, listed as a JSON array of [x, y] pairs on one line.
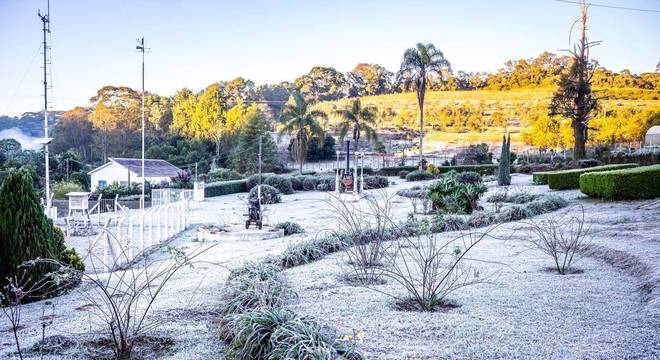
[[527, 313]]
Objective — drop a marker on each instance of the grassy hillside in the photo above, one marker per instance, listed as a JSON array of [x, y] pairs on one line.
[[458, 118]]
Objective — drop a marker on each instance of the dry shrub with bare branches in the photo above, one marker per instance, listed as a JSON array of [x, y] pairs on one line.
[[425, 264], [368, 224], [123, 299], [430, 268], [561, 236]]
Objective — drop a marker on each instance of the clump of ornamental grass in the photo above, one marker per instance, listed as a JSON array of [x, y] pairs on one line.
[[290, 228], [481, 218], [448, 222], [513, 213], [301, 253]]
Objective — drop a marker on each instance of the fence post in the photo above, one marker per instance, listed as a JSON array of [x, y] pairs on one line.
[[159, 223]]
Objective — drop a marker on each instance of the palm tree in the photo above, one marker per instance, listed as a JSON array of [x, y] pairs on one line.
[[302, 124], [418, 66], [361, 119]]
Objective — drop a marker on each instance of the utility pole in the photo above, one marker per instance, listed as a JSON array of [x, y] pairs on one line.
[[45, 20], [142, 49], [259, 162]]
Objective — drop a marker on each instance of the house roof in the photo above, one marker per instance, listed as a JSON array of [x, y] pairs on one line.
[[152, 167]]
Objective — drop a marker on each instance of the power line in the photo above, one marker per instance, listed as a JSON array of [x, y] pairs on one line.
[[609, 6]]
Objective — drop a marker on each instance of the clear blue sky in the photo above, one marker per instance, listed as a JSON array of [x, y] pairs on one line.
[[195, 43]]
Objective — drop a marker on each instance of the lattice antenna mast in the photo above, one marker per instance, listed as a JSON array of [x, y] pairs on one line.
[[141, 48], [45, 20]]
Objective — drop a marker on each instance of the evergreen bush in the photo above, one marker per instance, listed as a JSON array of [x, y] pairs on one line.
[[225, 187], [637, 183], [269, 194], [570, 179], [419, 175], [25, 231]]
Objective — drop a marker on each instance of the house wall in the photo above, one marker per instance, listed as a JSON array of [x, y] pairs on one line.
[[116, 173]]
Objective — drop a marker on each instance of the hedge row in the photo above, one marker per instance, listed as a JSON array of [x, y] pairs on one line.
[[487, 169], [570, 179], [638, 183], [225, 187]]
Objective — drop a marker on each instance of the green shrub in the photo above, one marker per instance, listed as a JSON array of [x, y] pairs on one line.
[[375, 182], [114, 189], [309, 182], [419, 175], [570, 179], [480, 218], [448, 222], [322, 187], [469, 177], [25, 232], [281, 183], [296, 182], [448, 195], [269, 194], [332, 243], [521, 198], [395, 170], [225, 187], [403, 174], [637, 183], [253, 180], [290, 228], [497, 197], [513, 213], [541, 178], [60, 189], [221, 174], [487, 169]]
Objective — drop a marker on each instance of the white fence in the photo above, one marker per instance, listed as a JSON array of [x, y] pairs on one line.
[[166, 196], [124, 239]]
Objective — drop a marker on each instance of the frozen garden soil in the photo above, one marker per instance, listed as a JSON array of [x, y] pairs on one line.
[[610, 309]]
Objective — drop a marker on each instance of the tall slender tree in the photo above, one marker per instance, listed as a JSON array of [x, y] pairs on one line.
[[301, 123], [574, 99], [419, 66]]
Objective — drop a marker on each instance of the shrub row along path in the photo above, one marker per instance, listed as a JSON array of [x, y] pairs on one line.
[[610, 310]]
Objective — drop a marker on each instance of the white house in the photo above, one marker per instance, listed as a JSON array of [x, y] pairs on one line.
[[129, 171]]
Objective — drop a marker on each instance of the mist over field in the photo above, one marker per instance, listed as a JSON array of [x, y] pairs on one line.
[[18, 135]]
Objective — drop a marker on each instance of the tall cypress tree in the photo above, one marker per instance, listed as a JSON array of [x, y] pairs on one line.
[[504, 170], [25, 231]]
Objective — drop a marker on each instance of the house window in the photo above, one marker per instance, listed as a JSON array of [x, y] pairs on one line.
[[102, 184]]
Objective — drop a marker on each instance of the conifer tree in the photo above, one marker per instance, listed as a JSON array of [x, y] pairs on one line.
[[504, 170], [25, 231]]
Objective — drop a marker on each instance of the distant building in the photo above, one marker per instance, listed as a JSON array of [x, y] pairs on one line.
[[653, 136], [129, 171]]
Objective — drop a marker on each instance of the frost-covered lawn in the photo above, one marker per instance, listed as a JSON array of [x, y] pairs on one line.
[[605, 312]]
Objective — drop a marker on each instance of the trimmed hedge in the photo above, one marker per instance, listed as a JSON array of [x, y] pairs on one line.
[[541, 178], [395, 170], [487, 169], [225, 187], [638, 183], [570, 179]]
